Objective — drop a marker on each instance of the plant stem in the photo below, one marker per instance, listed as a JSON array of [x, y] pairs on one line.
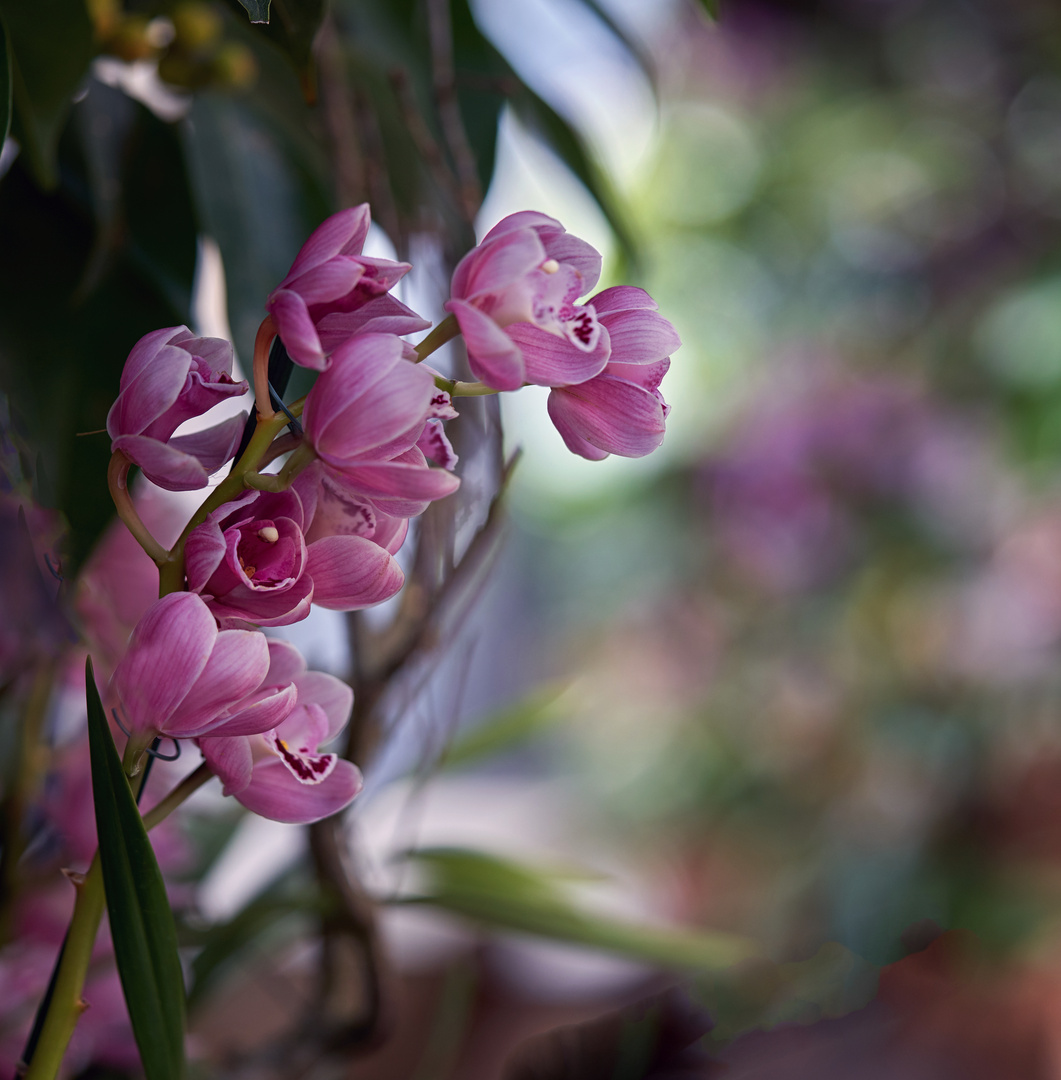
[[171, 573], [262, 341], [117, 477], [165, 806], [67, 1005], [446, 330], [464, 389]]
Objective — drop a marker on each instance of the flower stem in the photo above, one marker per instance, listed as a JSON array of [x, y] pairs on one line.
[[464, 389], [67, 1005], [446, 330], [117, 482], [281, 481], [171, 573], [262, 341]]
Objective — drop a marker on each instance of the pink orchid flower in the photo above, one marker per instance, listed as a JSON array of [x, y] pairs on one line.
[[251, 562], [183, 678], [514, 299], [333, 292], [620, 411], [281, 774], [170, 376], [365, 417]]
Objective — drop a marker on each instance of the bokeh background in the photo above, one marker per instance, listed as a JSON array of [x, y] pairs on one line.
[[793, 679]]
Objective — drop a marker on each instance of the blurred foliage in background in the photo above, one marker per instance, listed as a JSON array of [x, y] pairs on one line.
[[825, 711]]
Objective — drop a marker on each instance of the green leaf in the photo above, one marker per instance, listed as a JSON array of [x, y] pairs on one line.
[[507, 895], [52, 44], [257, 10], [255, 196], [142, 928], [5, 83], [569, 145], [521, 721]]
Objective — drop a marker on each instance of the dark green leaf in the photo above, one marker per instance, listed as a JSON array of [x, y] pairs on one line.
[[550, 126], [142, 928], [77, 293], [257, 10], [293, 28], [52, 44], [5, 83], [255, 198], [501, 893]]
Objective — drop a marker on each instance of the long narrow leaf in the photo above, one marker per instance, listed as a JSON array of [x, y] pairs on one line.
[[145, 938]]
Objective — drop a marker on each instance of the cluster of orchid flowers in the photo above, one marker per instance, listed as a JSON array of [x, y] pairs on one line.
[[363, 452]]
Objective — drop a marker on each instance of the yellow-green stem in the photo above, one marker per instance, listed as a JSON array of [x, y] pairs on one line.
[[446, 330], [67, 1005], [456, 388], [171, 572]]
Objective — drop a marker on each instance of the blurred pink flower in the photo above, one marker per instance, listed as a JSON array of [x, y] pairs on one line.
[[250, 561], [171, 376], [119, 582], [182, 677], [333, 292], [620, 411], [514, 299], [281, 774], [364, 418]]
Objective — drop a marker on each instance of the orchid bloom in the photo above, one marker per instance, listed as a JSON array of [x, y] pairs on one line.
[[281, 774], [333, 292], [171, 376], [181, 677], [365, 417], [514, 299], [251, 563], [620, 411]]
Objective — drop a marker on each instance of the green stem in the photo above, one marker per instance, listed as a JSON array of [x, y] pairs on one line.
[[67, 1005], [456, 388], [446, 330], [281, 481], [164, 807], [171, 572]]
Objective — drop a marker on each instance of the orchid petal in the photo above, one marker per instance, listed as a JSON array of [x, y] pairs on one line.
[[237, 665], [611, 414], [641, 337], [169, 648], [274, 793], [343, 233], [296, 329], [332, 695], [553, 361], [350, 572], [231, 760], [623, 298], [493, 356]]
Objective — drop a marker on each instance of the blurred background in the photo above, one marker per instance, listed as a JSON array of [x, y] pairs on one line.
[[793, 679]]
